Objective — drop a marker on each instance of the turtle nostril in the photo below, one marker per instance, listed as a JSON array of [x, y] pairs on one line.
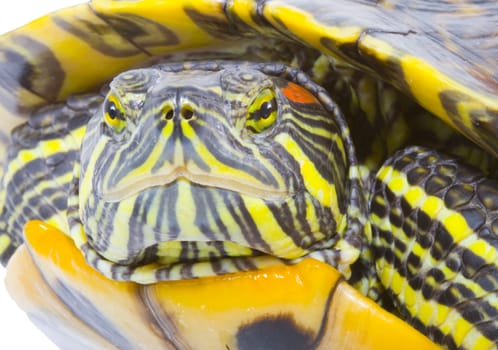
[[168, 113], [187, 112]]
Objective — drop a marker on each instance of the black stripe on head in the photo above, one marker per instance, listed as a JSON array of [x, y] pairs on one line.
[[245, 221], [206, 209]]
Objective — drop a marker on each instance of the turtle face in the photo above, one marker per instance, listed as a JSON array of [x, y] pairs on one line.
[[207, 168]]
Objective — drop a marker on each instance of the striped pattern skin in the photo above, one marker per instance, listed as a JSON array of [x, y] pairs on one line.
[[435, 241], [371, 104], [186, 189], [41, 157]]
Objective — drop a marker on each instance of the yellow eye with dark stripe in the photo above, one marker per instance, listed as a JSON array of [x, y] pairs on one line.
[[114, 115], [262, 112]]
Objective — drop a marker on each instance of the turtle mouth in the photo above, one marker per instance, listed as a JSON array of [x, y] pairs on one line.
[[253, 188]]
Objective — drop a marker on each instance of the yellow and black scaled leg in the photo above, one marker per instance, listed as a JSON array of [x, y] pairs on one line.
[[435, 241], [39, 168]]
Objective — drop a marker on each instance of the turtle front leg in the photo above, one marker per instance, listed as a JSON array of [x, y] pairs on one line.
[[435, 241], [38, 169]]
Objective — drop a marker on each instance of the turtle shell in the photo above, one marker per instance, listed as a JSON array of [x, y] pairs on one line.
[[441, 54]]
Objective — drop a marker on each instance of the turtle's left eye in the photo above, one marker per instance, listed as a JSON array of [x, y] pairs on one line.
[[114, 115], [262, 112]]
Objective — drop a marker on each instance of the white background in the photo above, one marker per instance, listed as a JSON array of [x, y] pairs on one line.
[[16, 331]]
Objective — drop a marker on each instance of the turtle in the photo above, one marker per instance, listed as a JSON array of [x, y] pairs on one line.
[[220, 172]]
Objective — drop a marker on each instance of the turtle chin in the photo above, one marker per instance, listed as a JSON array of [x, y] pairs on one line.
[[189, 230]]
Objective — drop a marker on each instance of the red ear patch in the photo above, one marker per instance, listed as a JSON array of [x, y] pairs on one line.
[[296, 93]]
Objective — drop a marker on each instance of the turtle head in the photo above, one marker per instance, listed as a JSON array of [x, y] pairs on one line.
[[207, 171]]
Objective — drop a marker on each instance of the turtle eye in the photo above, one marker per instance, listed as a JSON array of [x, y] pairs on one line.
[[114, 114], [262, 112]]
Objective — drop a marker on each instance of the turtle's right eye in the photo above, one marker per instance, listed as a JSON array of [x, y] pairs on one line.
[[114, 115]]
